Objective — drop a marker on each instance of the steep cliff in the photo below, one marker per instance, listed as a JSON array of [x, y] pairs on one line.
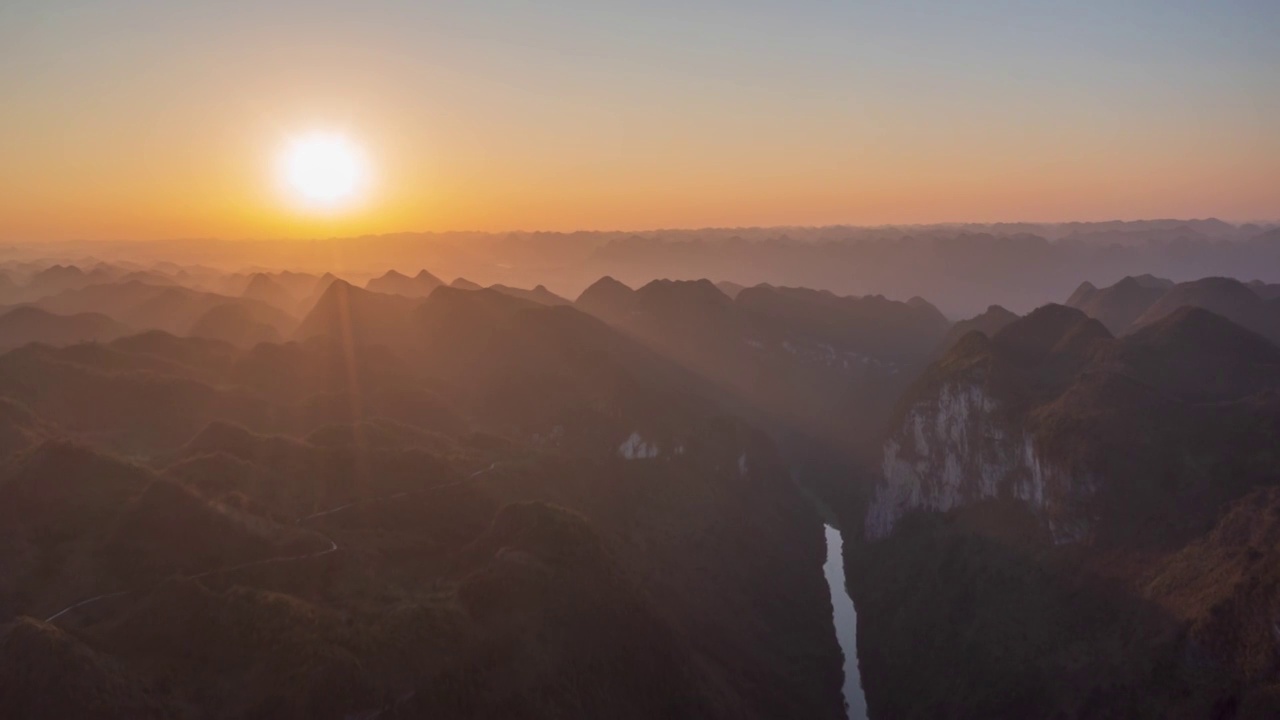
[[1078, 526], [1081, 427], [965, 432], [955, 449]]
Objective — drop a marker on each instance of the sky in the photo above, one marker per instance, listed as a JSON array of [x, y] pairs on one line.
[[152, 120]]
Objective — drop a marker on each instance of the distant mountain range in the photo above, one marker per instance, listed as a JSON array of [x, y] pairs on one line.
[[960, 268]]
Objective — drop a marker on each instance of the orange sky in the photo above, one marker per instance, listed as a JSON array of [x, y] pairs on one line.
[[474, 121]]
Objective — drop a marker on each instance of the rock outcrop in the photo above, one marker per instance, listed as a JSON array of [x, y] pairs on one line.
[[1054, 412], [954, 449]]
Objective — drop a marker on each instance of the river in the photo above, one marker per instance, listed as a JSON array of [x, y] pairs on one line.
[[846, 623]]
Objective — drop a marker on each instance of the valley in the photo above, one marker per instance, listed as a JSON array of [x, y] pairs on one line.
[[281, 494], [573, 360]]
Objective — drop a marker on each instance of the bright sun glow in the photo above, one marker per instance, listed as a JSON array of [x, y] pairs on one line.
[[323, 169]]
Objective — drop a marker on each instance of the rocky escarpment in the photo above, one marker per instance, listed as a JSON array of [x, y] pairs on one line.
[[1055, 413], [956, 448], [1156, 449], [969, 429]]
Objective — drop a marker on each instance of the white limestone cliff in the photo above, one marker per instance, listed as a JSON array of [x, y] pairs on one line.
[[955, 449]]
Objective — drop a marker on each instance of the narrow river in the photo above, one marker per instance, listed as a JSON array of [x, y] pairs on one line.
[[846, 622]]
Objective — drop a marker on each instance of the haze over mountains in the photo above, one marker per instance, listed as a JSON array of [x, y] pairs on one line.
[[960, 268], [584, 360], [373, 493]]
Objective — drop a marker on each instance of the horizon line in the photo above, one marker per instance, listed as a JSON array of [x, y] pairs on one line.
[[599, 231]]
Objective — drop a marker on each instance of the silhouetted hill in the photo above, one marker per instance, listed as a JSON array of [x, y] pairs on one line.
[[1085, 290], [608, 299], [147, 277], [394, 283], [57, 499], [988, 323], [699, 294], [24, 325], [314, 293], [172, 309], [1147, 280], [20, 429], [303, 661], [168, 530], [191, 357], [1266, 291], [871, 324], [796, 360], [53, 280], [108, 394], [1224, 296], [265, 289], [350, 314], [549, 562], [47, 673], [1054, 339], [105, 272], [324, 379], [822, 373], [9, 290], [458, 316], [539, 294], [61, 489], [730, 288], [465, 284], [298, 283], [1119, 305], [234, 324]]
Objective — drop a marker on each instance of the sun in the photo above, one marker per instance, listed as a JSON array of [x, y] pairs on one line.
[[324, 170]]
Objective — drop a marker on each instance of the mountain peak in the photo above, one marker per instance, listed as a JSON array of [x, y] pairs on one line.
[[730, 288], [1081, 293], [362, 316], [995, 319], [1128, 282], [1151, 282], [1189, 327], [701, 291], [394, 282], [1050, 329], [539, 294], [1118, 306], [60, 271], [267, 289], [607, 297], [1227, 297]]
